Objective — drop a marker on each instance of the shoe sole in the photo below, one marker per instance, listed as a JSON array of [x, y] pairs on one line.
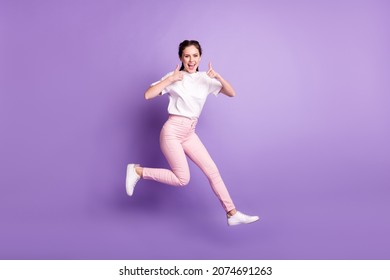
[[236, 224]]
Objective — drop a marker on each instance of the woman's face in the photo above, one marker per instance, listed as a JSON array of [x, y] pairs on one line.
[[190, 59]]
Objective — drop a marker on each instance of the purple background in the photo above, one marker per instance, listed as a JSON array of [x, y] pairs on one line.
[[305, 144]]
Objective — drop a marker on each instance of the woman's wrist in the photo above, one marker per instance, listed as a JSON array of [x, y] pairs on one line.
[[170, 79], [219, 78]]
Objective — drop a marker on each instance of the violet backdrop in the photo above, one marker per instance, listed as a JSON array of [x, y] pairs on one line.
[[305, 144]]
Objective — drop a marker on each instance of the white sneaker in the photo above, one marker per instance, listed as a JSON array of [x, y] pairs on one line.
[[131, 178], [240, 218]]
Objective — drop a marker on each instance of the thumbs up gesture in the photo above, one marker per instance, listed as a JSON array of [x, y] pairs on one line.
[[177, 75], [211, 73]]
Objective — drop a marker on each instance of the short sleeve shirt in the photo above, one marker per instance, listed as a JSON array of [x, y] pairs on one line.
[[188, 96]]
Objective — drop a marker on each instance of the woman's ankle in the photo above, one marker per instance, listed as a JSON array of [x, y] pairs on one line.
[[139, 171], [232, 212]]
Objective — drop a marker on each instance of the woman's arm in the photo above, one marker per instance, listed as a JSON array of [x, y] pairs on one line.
[[156, 89], [226, 89]]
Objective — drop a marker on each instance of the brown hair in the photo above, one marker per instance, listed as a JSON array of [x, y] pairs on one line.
[[185, 44]]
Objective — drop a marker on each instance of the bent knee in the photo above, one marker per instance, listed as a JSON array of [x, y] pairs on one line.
[[184, 181]]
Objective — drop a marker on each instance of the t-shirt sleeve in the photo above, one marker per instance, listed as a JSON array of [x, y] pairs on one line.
[[215, 86], [165, 90]]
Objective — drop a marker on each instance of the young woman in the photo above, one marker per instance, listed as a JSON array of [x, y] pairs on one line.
[[187, 90]]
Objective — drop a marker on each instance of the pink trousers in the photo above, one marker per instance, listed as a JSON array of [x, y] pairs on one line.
[[178, 139]]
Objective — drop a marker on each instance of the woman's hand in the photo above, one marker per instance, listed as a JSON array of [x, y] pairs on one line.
[[211, 73], [177, 75], [156, 89], [226, 89]]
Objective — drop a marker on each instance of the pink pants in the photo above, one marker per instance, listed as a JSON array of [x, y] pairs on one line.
[[178, 139]]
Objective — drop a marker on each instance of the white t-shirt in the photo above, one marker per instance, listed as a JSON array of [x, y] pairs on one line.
[[187, 97]]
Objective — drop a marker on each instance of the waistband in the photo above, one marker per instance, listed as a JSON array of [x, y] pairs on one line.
[[183, 120]]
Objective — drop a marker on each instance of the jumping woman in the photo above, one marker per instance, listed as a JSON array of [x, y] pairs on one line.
[[187, 89]]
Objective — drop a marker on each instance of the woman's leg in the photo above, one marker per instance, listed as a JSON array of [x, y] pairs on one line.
[[198, 153], [174, 153]]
